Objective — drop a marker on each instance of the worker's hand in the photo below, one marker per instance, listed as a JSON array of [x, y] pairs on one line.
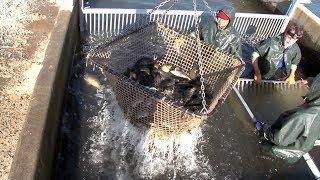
[[290, 80], [258, 125], [257, 78], [304, 82]]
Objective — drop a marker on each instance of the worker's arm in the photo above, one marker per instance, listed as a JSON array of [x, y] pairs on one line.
[[295, 61], [290, 131], [293, 132], [254, 61], [291, 77], [260, 50]]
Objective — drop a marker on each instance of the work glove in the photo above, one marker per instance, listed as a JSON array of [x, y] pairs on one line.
[[290, 79], [258, 125]]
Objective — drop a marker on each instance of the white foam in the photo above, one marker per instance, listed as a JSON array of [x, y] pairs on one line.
[[135, 152]]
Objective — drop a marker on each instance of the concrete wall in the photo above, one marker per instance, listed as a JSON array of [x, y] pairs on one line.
[[310, 24], [279, 7], [310, 42], [37, 143]]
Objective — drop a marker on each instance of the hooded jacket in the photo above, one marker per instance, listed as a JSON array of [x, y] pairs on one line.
[[295, 131], [271, 50], [227, 39]]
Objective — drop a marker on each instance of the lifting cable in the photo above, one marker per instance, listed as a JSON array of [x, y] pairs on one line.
[[203, 95]]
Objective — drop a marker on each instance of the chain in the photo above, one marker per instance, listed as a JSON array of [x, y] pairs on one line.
[[158, 6], [206, 3], [203, 95], [137, 23], [162, 16]]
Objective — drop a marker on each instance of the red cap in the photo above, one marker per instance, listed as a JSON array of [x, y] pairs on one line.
[[221, 14]]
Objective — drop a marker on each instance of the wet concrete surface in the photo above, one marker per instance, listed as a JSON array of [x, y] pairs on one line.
[[3, 82]]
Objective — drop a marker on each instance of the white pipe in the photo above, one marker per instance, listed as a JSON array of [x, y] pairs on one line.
[[244, 104], [312, 165]]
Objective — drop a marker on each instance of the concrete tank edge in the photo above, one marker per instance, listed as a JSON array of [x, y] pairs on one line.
[[35, 151]]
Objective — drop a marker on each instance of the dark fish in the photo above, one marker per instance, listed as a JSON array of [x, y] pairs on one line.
[[131, 74], [194, 71], [189, 93], [182, 89], [161, 76], [195, 102], [166, 84], [145, 69], [145, 61], [144, 78]]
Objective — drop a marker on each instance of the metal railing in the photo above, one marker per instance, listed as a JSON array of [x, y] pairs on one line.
[[110, 22]]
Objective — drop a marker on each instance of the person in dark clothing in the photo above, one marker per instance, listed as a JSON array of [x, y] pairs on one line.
[[295, 131], [220, 32], [276, 58]]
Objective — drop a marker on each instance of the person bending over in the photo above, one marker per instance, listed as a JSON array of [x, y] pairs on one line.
[[295, 131]]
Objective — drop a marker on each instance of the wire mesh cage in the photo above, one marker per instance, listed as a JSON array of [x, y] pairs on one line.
[[149, 108]]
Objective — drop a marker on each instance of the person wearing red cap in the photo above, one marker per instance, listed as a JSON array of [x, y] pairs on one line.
[[222, 19], [220, 32], [276, 58]]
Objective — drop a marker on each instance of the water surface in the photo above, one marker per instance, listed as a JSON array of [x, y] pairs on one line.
[[98, 142]]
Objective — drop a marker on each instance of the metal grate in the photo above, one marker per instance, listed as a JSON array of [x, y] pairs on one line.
[[266, 84]]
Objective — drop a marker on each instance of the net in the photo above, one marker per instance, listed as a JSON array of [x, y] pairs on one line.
[[146, 107]]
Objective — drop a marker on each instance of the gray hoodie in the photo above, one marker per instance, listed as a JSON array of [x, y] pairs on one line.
[[227, 39], [295, 131]]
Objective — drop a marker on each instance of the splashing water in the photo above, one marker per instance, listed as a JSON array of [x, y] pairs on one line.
[[135, 152]]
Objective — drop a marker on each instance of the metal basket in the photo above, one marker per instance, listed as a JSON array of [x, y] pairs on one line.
[[145, 107]]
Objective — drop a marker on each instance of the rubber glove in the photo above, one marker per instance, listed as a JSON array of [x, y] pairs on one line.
[[290, 79], [258, 125]]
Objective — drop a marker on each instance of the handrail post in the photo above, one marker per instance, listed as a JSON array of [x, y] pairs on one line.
[[81, 16], [292, 7], [289, 13]]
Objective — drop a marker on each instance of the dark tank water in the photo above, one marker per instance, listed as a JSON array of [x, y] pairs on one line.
[[267, 102], [97, 142]]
